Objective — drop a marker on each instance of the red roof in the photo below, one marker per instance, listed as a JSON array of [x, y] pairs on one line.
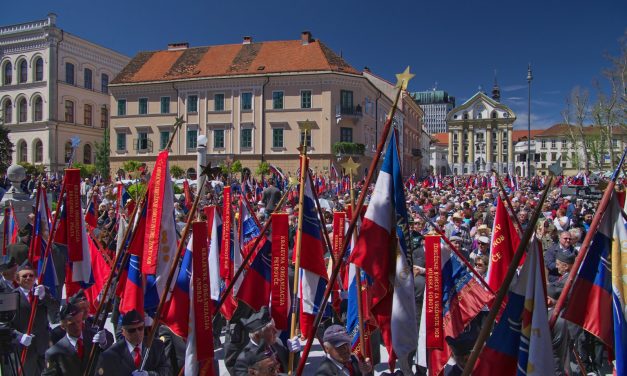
[[518, 135], [232, 60], [440, 138]]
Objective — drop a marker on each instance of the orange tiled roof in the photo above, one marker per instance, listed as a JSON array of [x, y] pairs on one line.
[[518, 135], [440, 138], [232, 60], [562, 130]]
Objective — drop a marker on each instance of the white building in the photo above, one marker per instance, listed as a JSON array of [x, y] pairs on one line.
[[53, 86], [435, 104]]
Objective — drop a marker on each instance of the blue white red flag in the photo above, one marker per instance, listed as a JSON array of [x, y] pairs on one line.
[[132, 297], [39, 242], [601, 284], [91, 218], [177, 312], [81, 271], [13, 226]]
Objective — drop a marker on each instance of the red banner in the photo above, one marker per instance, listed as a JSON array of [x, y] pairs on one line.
[[339, 231], [433, 292], [156, 188], [504, 243], [73, 212], [209, 213], [280, 294], [225, 249], [202, 295]]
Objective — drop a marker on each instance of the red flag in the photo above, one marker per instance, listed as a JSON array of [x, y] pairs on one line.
[[73, 212], [100, 271], [225, 249], [280, 293], [504, 242], [339, 225], [188, 195], [433, 292], [156, 188]]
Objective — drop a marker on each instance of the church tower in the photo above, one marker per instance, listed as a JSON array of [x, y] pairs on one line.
[[496, 90]]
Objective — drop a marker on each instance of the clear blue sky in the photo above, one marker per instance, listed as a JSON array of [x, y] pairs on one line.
[[457, 44]]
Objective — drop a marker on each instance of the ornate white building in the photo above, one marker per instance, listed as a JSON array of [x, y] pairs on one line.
[[53, 86]]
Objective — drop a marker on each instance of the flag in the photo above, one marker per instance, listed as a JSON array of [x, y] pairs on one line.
[[521, 341], [39, 243], [214, 225], [132, 295], [225, 247], [381, 251], [600, 287], [188, 195], [13, 226], [100, 272], [233, 262], [279, 307], [81, 271], [504, 242], [91, 218], [72, 203], [177, 310]]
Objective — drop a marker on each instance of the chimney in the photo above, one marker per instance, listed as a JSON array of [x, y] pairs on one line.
[[52, 19], [247, 40], [178, 46], [305, 38]]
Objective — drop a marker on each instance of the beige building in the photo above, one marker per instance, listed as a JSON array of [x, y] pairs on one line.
[[54, 86], [480, 136], [249, 100]]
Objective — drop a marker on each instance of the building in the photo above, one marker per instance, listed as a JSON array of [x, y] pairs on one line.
[[436, 104], [438, 154], [480, 135], [250, 100], [521, 151], [54, 86]]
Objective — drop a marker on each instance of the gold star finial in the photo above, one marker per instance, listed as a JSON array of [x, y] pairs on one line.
[[293, 180], [306, 125], [403, 79], [351, 166]]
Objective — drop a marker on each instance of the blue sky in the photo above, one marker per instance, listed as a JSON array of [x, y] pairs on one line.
[[457, 44]]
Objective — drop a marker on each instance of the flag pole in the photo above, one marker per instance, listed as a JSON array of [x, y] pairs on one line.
[[500, 295], [306, 126], [325, 233], [596, 221], [5, 239], [31, 245], [403, 80], [508, 203]]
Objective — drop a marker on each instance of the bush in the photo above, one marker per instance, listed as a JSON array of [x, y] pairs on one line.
[[177, 171], [87, 170], [263, 169], [136, 190], [33, 169], [348, 148]]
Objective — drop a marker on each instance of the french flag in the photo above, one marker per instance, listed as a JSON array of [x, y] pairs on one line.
[[313, 271], [600, 286], [386, 263]]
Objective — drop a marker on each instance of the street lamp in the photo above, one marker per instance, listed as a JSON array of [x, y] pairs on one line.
[[529, 78]]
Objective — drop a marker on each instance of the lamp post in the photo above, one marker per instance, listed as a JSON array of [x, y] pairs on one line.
[[529, 78]]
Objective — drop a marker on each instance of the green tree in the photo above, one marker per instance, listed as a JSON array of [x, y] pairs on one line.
[[87, 170], [32, 169], [177, 171], [6, 147], [131, 166], [263, 169], [103, 150]]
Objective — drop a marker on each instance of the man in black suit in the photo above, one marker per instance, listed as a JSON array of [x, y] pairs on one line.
[[70, 355], [262, 362], [271, 196], [19, 250], [126, 356], [339, 361]]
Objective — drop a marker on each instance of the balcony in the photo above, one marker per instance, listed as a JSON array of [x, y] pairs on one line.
[[142, 145], [353, 113], [348, 149]]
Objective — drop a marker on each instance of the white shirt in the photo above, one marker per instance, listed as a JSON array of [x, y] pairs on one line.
[[25, 292], [73, 340], [131, 348]]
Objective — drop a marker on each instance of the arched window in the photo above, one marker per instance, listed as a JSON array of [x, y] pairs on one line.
[[22, 151], [8, 73], [23, 71], [465, 115], [39, 151], [39, 69], [7, 110], [494, 115], [38, 111], [68, 151], [69, 111], [22, 107], [87, 114], [87, 154]]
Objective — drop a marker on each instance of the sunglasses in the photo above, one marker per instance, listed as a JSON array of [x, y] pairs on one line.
[[27, 276], [133, 330]]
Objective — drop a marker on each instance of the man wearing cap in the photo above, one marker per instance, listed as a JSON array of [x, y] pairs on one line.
[[261, 329], [19, 250], [339, 361], [564, 246], [27, 290], [70, 355], [458, 228], [483, 247], [262, 362], [127, 355]]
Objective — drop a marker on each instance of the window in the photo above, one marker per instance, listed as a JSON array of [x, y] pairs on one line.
[[22, 108], [615, 143], [121, 141], [22, 151], [7, 111], [143, 106], [277, 137], [164, 138], [277, 100], [68, 151], [494, 115], [104, 83], [553, 144], [88, 115], [246, 139], [465, 115], [247, 101], [38, 110], [121, 107], [87, 79], [192, 103], [165, 105], [142, 141], [69, 73], [543, 144], [346, 134], [543, 157], [305, 99], [39, 151], [218, 139], [23, 71], [8, 74], [104, 117], [69, 111], [218, 102], [39, 69], [192, 137], [346, 101], [302, 138], [553, 156], [87, 154]]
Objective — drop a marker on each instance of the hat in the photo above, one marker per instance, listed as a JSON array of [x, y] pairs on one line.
[[68, 311], [483, 228], [456, 238], [483, 239], [566, 257], [132, 318], [6, 263], [23, 232], [255, 356], [463, 344], [456, 215], [260, 203], [25, 266], [78, 297], [569, 198], [257, 320], [336, 335]]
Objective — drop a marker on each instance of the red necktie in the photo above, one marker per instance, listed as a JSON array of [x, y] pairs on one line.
[[349, 367], [79, 347], [30, 297], [137, 357]]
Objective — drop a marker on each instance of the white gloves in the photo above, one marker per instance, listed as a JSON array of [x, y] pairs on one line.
[[26, 339], [293, 345], [343, 294], [40, 291], [148, 321], [100, 338], [139, 373]]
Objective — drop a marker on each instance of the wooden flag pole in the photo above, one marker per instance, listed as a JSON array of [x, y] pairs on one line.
[[508, 203]]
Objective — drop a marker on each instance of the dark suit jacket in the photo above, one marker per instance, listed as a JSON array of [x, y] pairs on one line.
[[117, 361], [62, 358], [19, 251], [40, 324], [328, 368], [271, 197], [241, 366]]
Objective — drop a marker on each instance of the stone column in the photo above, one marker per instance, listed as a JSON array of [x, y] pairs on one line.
[[488, 148], [510, 151], [460, 150], [471, 149], [450, 150], [201, 160], [499, 150]]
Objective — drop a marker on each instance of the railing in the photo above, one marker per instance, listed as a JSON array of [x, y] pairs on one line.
[[348, 110], [142, 145]]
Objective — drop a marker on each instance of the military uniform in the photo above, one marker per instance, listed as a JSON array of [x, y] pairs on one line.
[[236, 336], [117, 360]]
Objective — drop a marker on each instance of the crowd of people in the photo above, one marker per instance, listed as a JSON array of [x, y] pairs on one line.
[[62, 336]]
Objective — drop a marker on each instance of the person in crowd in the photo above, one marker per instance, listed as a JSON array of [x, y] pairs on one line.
[[339, 361]]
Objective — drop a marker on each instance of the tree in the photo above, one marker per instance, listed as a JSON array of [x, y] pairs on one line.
[[263, 169], [103, 150], [177, 171], [6, 147], [575, 115], [87, 170]]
